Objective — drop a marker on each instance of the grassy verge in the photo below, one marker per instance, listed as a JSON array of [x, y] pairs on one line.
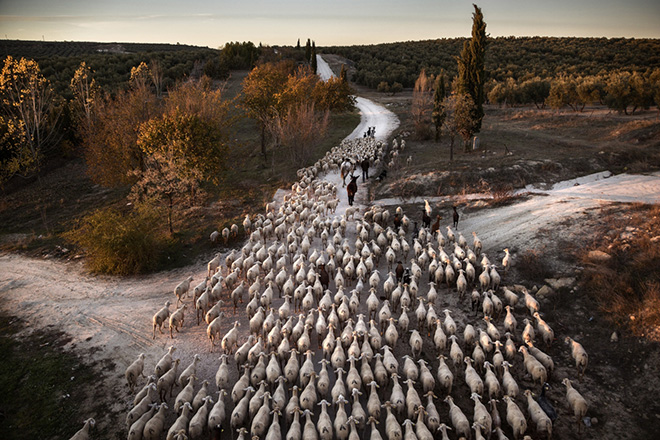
[[622, 268], [41, 387]]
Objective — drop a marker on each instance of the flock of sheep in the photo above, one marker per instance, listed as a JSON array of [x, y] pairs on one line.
[[357, 329]]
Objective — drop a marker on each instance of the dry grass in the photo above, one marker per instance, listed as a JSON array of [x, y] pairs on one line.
[[533, 265], [627, 284]]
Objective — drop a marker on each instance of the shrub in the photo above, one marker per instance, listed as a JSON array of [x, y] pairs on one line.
[[533, 265], [121, 243]]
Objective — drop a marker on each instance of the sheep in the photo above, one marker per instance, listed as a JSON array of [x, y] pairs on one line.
[[181, 290], [492, 384], [511, 297], [538, 416], [577, 403], [214, 328], [165, 362], [84, 432], [545, 359], [506, 261], [458, 420], [167, 381], [160, 317], [510, 322], [185, 395], [392, 426], [181, 423], [143, 392], [544, 329], [142, 406], [508, 382], [515, 418], [203, 392], [531, 303], [189, 371], [481, 414], [199, 421], [416, 344], [216, 416], [154, 427], [213, 265], [533, 366], [528, 334], [134, 370], [137, 428], [230, 338], [580, 356], [472, 378], [177, 319]]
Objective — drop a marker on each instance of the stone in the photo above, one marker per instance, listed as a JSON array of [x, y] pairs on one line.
[[598, 256], [545, 292], [561, 283]]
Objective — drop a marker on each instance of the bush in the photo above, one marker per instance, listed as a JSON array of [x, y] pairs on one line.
[[533, 265], [120, 243]]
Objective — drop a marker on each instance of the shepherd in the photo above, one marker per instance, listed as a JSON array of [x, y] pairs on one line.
[[345, 169], [351, 189]]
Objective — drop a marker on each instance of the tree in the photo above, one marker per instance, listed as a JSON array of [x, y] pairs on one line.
[[334, 94], [459, 119], [308, 50], [342, 73], [439, 115], [619, 92], [110, 147], [163, 181], [471, 65], [86, 94], [30, 111], [383, 87], [422, 106], [298, 44], [314, 62], [396, 87], [301, 130], [260, 94], [563, 92], [156, 71]]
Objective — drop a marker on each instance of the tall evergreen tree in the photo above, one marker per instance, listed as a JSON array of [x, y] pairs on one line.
[[308, 50], [438, 98], [471, 68], [298, 44], [313, 60]]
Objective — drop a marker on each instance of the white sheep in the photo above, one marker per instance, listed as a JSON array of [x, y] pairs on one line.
[[580, 356], [154, 427], [181, 290], [165, 363], [515, 418], [189, 371], [134, 371], [160, 317], [177, 319], [83, 433], [578, 403]]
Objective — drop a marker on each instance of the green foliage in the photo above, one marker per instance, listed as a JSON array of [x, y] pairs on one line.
[[519, 58], [239, 56], [421, 108], [438, 116], [471, 70], [121, 243], [313, 61], [111, 62], [396, 87], [383, 87]]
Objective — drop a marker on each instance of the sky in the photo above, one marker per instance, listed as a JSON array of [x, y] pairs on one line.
[[213, 23]]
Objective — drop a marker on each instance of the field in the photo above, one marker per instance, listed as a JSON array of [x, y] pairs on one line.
[[96, 326]]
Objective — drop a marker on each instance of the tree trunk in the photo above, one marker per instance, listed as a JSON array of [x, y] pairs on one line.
[[451, 149], [170, 207], [263, 141]]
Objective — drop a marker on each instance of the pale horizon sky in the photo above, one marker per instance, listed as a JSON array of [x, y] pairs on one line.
[[339, 22]]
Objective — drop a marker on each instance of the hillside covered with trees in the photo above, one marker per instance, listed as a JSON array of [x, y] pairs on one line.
[[518, 58]]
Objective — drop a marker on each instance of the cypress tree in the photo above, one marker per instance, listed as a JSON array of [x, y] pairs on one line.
[[308, 50], [471, 65], [298, 44], [438, 98], [314, 63]]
